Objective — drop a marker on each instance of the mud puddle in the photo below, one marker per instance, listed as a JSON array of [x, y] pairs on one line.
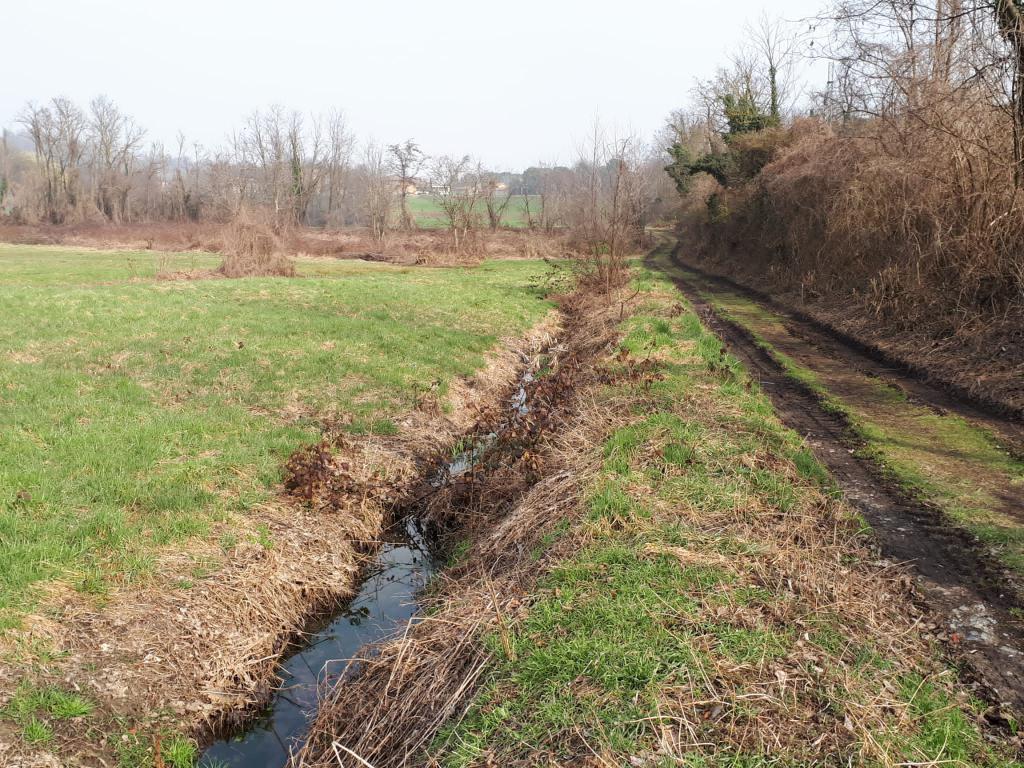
[[386, 601], [956, 578]]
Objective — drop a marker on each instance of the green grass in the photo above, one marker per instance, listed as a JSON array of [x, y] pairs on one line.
[[176, 751], [179, 752], [654, 605], [34, 708], [134, 413], [620, 621], [428, 214]]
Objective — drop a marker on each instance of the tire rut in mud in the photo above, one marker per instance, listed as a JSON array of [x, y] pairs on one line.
[[956, 578], [921, 385]]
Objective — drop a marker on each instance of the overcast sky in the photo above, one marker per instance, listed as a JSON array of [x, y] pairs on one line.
[[509, 82]]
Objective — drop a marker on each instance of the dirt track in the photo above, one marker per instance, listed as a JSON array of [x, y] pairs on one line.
[[955, 577]]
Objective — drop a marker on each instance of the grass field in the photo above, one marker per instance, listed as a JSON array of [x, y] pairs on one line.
[[135, 412], [427, 213]]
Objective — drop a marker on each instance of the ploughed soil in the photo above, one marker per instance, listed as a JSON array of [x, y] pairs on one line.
[[957, 577]]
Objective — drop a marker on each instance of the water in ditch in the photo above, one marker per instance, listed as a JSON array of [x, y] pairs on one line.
[[385, 603]]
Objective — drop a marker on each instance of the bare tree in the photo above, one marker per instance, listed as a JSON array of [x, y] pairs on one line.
[[1011, 24], [5, 169], [495, 202], [609, 206], [406, 161], [58, 136], [776, 42], [306, 165], [115, 140], [457, 184], [340, 144], [377, 192]]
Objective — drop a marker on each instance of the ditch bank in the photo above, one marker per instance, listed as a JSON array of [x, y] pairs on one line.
[[498, 505], [977, 604], [441, 504]]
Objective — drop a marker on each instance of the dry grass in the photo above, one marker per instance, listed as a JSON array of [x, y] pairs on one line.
[[390, 706], [905, 231], [424, 247], [252, 248]]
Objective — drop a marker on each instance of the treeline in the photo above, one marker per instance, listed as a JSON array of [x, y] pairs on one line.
[[893, 190], [71, 164]]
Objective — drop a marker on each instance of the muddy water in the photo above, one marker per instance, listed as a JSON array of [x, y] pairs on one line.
[[386, 602]]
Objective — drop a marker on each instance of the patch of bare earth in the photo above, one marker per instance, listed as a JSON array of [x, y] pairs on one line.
[[195, 648]]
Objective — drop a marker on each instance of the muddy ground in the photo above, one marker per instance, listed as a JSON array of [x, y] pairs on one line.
[[981, 363], [979, 606]]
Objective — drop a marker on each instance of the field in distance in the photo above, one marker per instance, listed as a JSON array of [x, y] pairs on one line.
[[427, 212]]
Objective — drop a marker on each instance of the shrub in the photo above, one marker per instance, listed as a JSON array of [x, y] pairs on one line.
[[252, 247]]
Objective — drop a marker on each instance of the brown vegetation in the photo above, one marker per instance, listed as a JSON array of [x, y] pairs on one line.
[[896, 212], [428, 247], [252, 249], [390, 710], [913, 245]]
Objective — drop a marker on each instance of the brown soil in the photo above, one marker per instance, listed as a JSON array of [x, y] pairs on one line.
[[956, 577], [202, 658]]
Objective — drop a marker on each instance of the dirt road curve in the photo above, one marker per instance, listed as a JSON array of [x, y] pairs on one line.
[[968, 593]]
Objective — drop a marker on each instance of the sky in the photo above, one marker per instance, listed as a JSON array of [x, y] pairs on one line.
[[510, 83]]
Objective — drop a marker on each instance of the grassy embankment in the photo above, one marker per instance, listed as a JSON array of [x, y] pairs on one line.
[[718, 605], [136, 413], [942, 458]]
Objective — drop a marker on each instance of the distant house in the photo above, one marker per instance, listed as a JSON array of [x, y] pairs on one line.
[[409, 185]]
